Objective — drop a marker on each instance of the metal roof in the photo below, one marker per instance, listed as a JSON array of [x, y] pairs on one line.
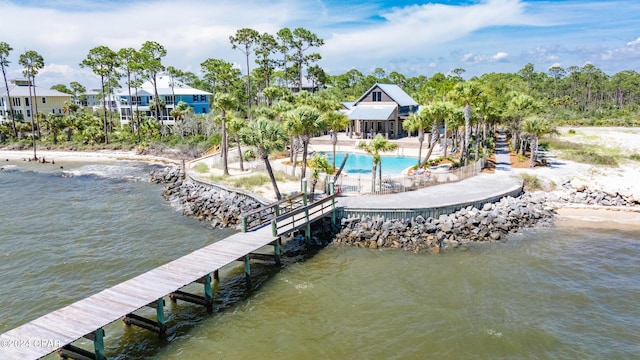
[[394, 91], [397, 94], [372, 112], [164, 88], [23, 91]]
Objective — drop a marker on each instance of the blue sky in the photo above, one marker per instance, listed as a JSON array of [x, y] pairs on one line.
[[410, 37]]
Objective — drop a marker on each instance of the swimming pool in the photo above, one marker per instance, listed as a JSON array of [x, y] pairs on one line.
[[360, 164]]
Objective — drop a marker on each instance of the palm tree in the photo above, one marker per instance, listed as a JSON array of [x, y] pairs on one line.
[[318, 163], [304, 121], [466, 93], [335, 121], [435, 112], [267, 136], [373, 148], [536, 127], [518, 108], [4, 62], [225, 103], [417, 121], [32, 62]]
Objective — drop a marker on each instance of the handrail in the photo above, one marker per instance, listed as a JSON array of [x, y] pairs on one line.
[[270, 211], [280, 222]]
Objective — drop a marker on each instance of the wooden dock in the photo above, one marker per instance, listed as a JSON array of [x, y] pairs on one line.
[[86, 318]]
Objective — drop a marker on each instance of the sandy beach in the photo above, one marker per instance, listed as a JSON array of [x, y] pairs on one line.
[[81, 156]]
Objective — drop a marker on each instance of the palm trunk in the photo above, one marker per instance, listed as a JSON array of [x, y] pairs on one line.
[[225, 163], [477, 137], [305, 146], [534, 151], [467, 132], [35, 97], [33, 130], [131, 123], [380, 176], [314, 181], [432, 145], [420, 141], [444, 152], [13, 118], [240, 152], [373, 177], [334, 142], [294, 157], [274, 183], [104, 113]]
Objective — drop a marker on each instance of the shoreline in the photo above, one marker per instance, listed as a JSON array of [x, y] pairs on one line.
[[83, 156], [597, 216]]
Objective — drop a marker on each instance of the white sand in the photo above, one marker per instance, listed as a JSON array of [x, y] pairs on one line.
[[81, 156]]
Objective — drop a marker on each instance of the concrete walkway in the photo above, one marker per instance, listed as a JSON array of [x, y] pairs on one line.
[[474, 189], [502, 153]]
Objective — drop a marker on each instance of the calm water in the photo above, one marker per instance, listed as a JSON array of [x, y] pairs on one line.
[[548, 293], [360, 164]]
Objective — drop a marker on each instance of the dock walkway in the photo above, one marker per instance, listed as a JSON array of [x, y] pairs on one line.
[[86, 318]]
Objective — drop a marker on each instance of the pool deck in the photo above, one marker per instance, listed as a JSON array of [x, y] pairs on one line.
[[474, 189]]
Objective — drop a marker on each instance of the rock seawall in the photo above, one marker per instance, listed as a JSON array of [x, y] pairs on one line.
[[490, 223], [223, 209]]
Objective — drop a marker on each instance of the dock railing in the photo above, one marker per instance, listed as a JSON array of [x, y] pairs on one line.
[[263, 215]]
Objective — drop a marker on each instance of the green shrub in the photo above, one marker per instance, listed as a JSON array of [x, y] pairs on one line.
[[201, 168], [531, 182], [249, 182]]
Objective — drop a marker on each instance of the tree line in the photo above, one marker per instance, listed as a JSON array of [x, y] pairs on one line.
[[269, 99]]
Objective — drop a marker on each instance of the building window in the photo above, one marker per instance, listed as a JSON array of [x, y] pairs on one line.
[[203, 98], [168, 100], [28, 113], [377, 96], [195, 98], [204, 111], [26, 101], [44, 100], [16, 101]]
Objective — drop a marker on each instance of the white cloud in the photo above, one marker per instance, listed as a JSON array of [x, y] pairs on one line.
[[500, 56], [634, 42], [414, 40], [419, 27]]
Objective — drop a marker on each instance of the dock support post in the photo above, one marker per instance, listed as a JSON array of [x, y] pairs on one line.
[[98, 344], [274, 227], [276, 250], [208, 293], [247, 270], [216, 275], [244, 224], [162, 327], [332, 191], [307, 228]]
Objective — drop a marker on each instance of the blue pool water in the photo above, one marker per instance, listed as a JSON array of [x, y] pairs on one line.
[[360, 164]]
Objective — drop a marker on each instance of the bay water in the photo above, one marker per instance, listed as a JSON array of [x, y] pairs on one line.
[[545, 293]]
